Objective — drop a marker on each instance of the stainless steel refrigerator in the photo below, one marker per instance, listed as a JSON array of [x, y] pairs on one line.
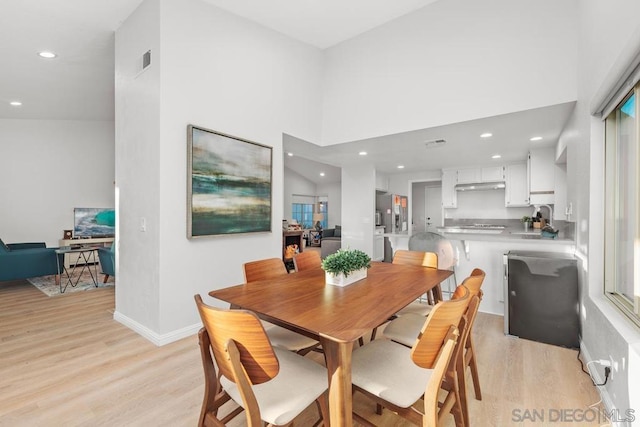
[[541, 297], [393, 209]]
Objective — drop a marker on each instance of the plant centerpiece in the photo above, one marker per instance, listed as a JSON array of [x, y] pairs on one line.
[[526, 221], [346, 266]]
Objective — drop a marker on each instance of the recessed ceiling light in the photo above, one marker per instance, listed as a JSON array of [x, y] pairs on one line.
[[496, 156], [536, 138], [47, 55], [486, 135], [321, 173], [400, 166], [290, 154], [15, 103], [363, 153]]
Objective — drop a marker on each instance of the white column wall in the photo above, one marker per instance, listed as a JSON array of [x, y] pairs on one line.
[[225, 73], [359, 202]]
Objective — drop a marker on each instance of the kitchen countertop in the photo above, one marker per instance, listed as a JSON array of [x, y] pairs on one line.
[[510, 232]]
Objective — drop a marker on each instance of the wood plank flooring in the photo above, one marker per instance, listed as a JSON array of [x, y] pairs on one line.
[[64, 361]]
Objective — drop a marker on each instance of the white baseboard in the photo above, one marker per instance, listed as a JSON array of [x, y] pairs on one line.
[[154, 337]]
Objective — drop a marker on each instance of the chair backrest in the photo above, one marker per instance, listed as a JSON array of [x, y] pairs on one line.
[[270, 268], [307, 260], [426, 241], [425, 259], [474, 281], [443, 315], [245, 330], [430, 417]]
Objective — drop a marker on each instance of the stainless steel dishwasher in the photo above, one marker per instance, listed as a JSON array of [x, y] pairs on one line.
[[541, 297]]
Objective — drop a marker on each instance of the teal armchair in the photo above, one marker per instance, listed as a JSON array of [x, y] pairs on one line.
[[107, 258], [24, 260]]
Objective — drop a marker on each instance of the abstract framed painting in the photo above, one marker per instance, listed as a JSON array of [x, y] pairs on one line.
[[228, 184]]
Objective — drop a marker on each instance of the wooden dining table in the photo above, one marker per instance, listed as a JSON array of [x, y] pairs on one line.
[[336, 316]]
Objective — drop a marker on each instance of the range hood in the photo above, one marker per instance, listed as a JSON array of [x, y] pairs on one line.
[[481, 186]]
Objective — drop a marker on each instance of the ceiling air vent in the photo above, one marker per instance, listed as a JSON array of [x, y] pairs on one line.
[[435, 143]]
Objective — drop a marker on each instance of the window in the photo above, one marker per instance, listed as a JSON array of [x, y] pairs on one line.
[[622, 205], [303, 213]]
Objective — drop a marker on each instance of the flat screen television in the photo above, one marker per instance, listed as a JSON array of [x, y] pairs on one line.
[[94, 222]]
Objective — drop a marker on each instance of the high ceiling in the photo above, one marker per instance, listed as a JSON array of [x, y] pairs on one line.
[[79, 83]]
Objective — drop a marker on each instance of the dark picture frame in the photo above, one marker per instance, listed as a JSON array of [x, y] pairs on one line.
[[229, 184]]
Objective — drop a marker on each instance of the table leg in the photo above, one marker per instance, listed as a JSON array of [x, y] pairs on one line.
[[338, 358]]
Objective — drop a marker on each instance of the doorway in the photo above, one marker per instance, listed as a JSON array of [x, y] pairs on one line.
[[426, 207]]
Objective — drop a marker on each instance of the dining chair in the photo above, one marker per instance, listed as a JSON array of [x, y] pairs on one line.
[[307, 260], [397, 377], [271, 384], [418, 258], [274, 268], [214, 395], [427, 241], [424, 259], [405, 329]]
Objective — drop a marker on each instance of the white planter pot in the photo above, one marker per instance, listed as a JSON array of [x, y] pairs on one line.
[[340, 280]]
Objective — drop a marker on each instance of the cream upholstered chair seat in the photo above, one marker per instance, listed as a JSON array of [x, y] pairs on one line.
[[405, 329], [372, 369], [287, 339], [299, 382], [419, 308]]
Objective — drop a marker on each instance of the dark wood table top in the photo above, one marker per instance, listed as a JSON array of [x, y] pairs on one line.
[[304, 303]]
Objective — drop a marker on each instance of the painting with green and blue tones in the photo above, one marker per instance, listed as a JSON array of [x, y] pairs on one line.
[[229, 184]]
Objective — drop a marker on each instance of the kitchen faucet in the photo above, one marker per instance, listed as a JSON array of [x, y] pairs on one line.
[[536, 209]]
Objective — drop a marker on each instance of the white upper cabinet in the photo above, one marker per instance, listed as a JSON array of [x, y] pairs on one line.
[[542, 176], [449, 195], [469, 176], [492, 174], [516, 186], [382, 182], [478, 175]]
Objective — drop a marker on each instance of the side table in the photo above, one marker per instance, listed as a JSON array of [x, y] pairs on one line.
[[88, 257]]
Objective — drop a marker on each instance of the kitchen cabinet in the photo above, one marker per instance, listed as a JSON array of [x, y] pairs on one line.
[[478, 175], [449, 195], [469, 176], [542, 176], [382, 183], [492, 174], [516, 186]]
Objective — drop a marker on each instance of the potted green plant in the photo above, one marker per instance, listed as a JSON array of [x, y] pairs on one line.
[[346, 266], [526, 221]]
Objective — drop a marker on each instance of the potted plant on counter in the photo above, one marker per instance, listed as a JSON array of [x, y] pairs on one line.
[[345, 267], [526, 221]]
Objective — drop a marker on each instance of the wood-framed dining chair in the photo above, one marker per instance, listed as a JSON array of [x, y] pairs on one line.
[[274, 268], [307, 260], [271, 384], [424, 259], [396, 377], [406, 329]]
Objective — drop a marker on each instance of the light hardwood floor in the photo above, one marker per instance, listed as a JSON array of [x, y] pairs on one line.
[[64, 361]]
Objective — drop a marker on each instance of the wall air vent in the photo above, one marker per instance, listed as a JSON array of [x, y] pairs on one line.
[[435, 143]]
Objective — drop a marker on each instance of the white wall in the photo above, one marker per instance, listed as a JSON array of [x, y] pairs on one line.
[[333, 191], [359, 201], [224, 73], [48, 167], [295, 184], [605, 29], [451, 61]]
